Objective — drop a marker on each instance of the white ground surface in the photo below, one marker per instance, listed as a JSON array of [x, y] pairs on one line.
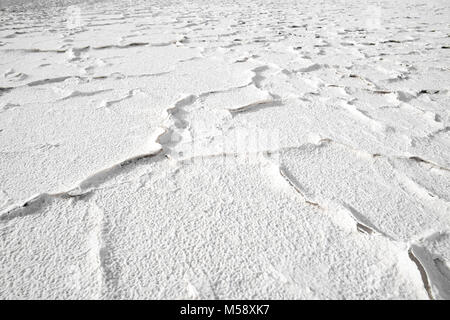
[[225, 149]]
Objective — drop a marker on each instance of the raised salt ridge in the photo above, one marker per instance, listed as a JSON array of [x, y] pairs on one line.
[[224, 149]]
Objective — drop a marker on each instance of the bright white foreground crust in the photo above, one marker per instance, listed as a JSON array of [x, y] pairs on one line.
[[229, 149]]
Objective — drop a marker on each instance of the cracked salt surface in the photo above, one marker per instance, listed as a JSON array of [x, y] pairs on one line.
[[226, 150]]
